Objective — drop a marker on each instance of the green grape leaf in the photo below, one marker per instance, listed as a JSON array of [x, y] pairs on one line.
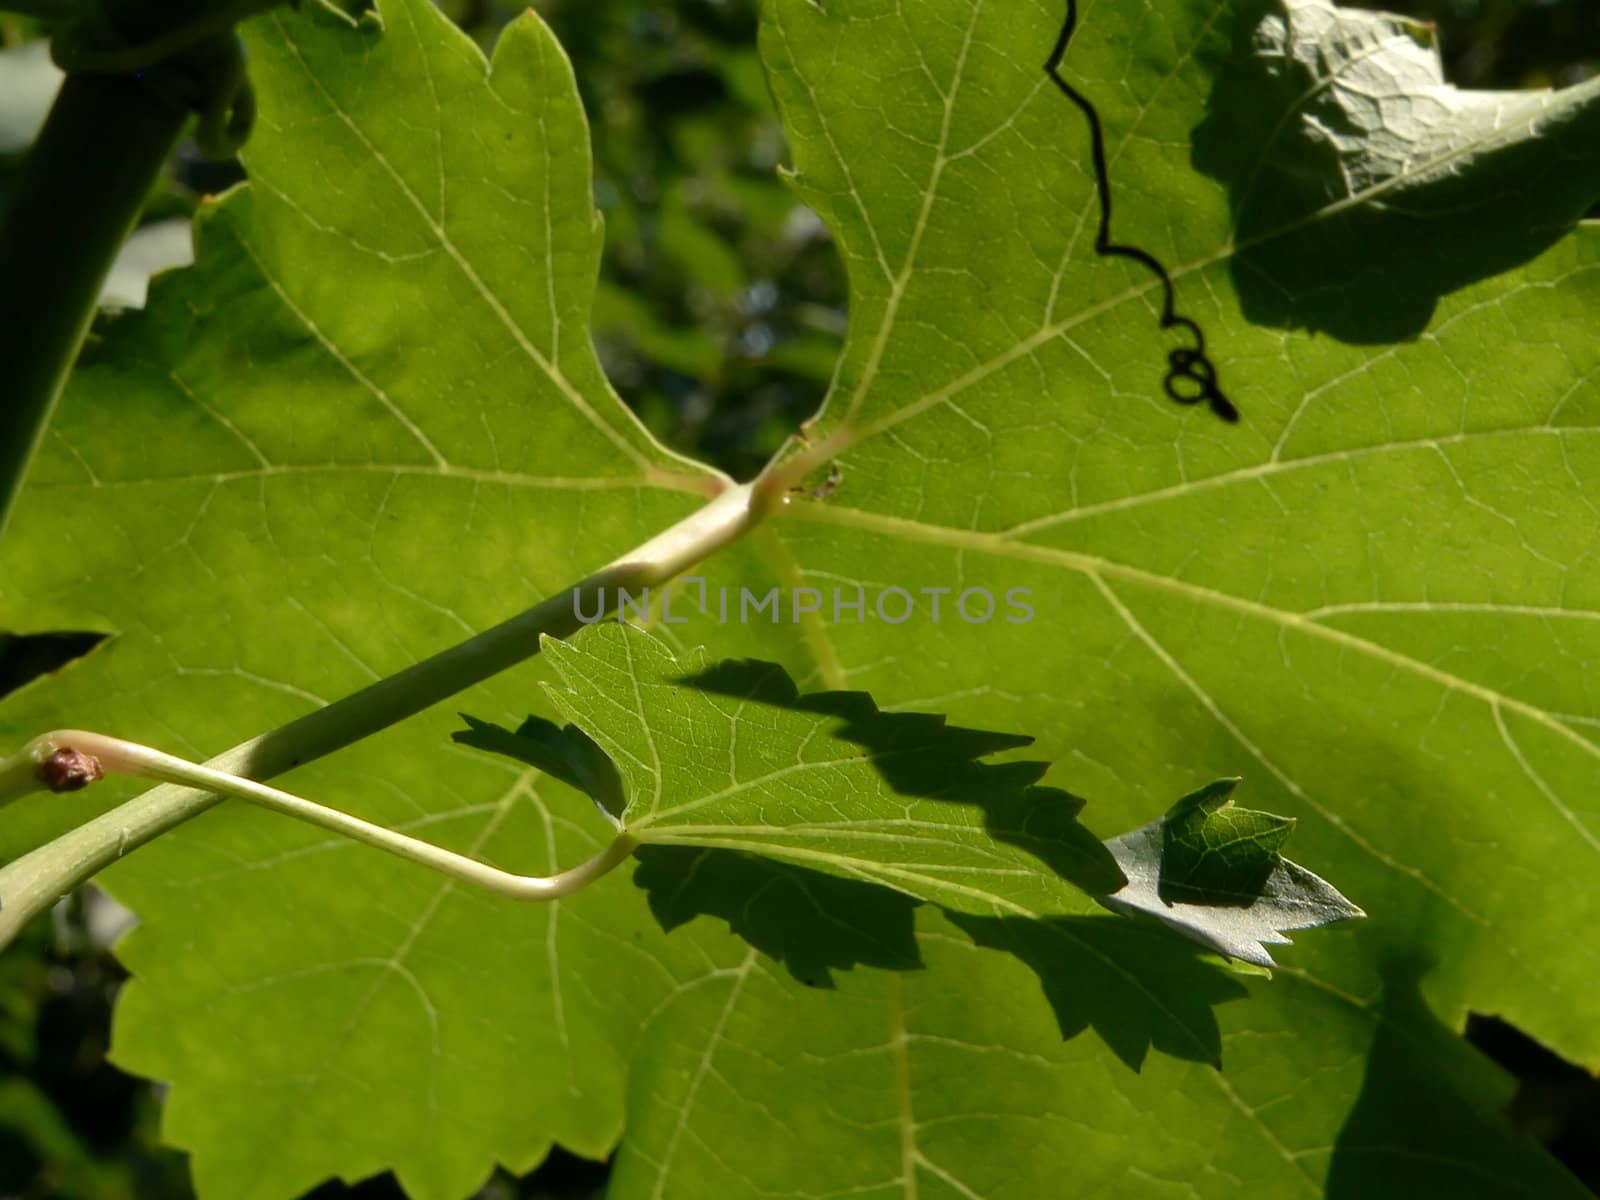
[[1372, 595], [730, 756], [1212, 871], [368, 422]]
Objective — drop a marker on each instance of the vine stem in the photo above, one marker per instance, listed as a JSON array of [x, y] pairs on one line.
[[115, 756], [32, 883], [87, 176], [82, 187]]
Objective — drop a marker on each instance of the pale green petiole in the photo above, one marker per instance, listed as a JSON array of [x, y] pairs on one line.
[[29, 771], [19, 774], [31, 883]]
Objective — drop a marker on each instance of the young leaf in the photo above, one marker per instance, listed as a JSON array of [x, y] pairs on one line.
[[368, 422], [1212, 872], [731, 756], [1213, 852]]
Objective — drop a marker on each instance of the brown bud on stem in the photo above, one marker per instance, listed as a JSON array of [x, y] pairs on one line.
[[69, 770]]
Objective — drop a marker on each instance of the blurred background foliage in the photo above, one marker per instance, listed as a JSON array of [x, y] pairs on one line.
[[719, 313]]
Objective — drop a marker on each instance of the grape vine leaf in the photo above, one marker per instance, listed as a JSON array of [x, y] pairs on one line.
[[728, 755], [1373, 595], [945, 1091], [1213, 851], [369, 420]]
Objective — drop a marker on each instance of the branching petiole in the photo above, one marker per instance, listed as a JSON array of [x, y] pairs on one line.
[[69, 759]]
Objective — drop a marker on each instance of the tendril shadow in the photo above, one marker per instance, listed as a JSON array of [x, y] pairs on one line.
[[1191, 375]]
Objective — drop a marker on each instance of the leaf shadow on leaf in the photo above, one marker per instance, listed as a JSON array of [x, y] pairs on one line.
[[1137, 986], [813, 923], [563, 752], [1428, 1119], [1432, 220], [919, 755]]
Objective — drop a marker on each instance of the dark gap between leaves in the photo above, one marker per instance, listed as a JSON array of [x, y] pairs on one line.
[[562, 1176], [24, 657], [1557, 1102]]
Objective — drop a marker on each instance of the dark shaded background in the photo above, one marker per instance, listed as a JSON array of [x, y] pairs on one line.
[[719, 314]]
